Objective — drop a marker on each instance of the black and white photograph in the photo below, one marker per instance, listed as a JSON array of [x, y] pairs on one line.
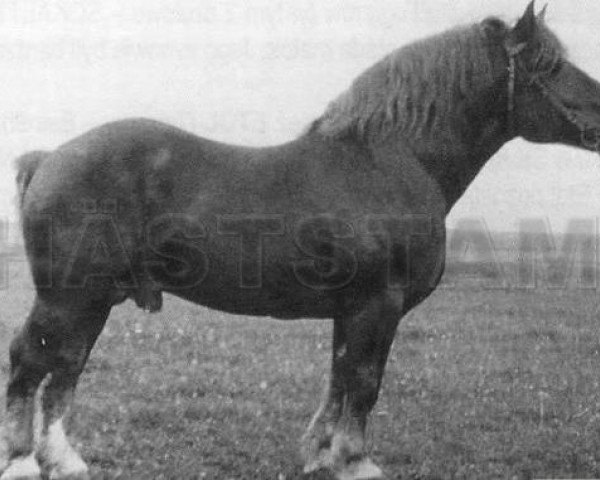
[[299, 240]]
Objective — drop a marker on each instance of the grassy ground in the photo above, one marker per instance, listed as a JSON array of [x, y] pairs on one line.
[[481, 384]]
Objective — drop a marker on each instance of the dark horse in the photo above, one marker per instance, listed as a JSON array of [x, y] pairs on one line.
[[346, 222]]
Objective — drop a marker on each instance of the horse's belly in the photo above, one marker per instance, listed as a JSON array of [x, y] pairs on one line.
[[260, 303], [291, 276], [274, 290]]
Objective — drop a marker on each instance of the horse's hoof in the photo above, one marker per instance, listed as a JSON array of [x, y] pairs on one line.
[[71, 475], [322, 460], [71, 468], [59, 458], [23, 468], [364, 469], [311, 468]]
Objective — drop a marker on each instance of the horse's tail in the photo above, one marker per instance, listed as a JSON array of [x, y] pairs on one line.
[[27, 165]]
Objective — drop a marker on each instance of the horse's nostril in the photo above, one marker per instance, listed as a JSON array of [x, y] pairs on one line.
[[590, 137]]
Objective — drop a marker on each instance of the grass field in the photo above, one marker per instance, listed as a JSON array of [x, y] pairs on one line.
[[482, 383]]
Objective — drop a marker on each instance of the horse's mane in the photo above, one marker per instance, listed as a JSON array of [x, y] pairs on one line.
[[414, 89], [417, 89]]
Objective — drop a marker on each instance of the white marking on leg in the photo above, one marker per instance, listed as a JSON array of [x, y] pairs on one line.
[[3, 449], [38, 412], [314, 457], [23, 468], [61, 457]]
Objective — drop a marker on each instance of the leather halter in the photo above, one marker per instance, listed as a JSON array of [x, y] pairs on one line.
[[513, 52], [535, 79]]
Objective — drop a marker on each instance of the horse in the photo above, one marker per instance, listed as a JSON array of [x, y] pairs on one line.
[[346, 222]]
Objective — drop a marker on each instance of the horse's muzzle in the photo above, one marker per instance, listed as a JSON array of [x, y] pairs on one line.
[[590, 138]]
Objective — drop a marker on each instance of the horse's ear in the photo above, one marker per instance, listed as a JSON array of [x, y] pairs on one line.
[[542, 15], [526, 28]]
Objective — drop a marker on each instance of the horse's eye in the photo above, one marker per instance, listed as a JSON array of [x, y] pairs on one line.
[[557, 67]]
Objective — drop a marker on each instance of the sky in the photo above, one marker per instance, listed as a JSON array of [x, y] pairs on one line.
[[257, 73]]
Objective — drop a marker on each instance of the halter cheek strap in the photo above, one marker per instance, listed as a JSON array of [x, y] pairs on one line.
[[513, 51]]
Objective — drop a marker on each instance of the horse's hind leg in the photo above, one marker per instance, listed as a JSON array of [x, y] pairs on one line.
[[54, 344], [359, 360], [28, 369], [84, 326]]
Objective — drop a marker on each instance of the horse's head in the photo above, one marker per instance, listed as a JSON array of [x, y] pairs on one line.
[[549, 98]]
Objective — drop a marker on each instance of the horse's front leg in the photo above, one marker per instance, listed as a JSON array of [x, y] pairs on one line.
[[316, 442], [54, 344], [336, 437]]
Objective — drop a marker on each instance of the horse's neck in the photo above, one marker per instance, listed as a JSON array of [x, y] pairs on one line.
[[454, 160]]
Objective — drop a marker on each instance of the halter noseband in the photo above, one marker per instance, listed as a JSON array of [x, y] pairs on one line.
[[535, 79]]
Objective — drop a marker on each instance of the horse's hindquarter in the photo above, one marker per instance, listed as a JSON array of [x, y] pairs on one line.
[[287, 231]]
